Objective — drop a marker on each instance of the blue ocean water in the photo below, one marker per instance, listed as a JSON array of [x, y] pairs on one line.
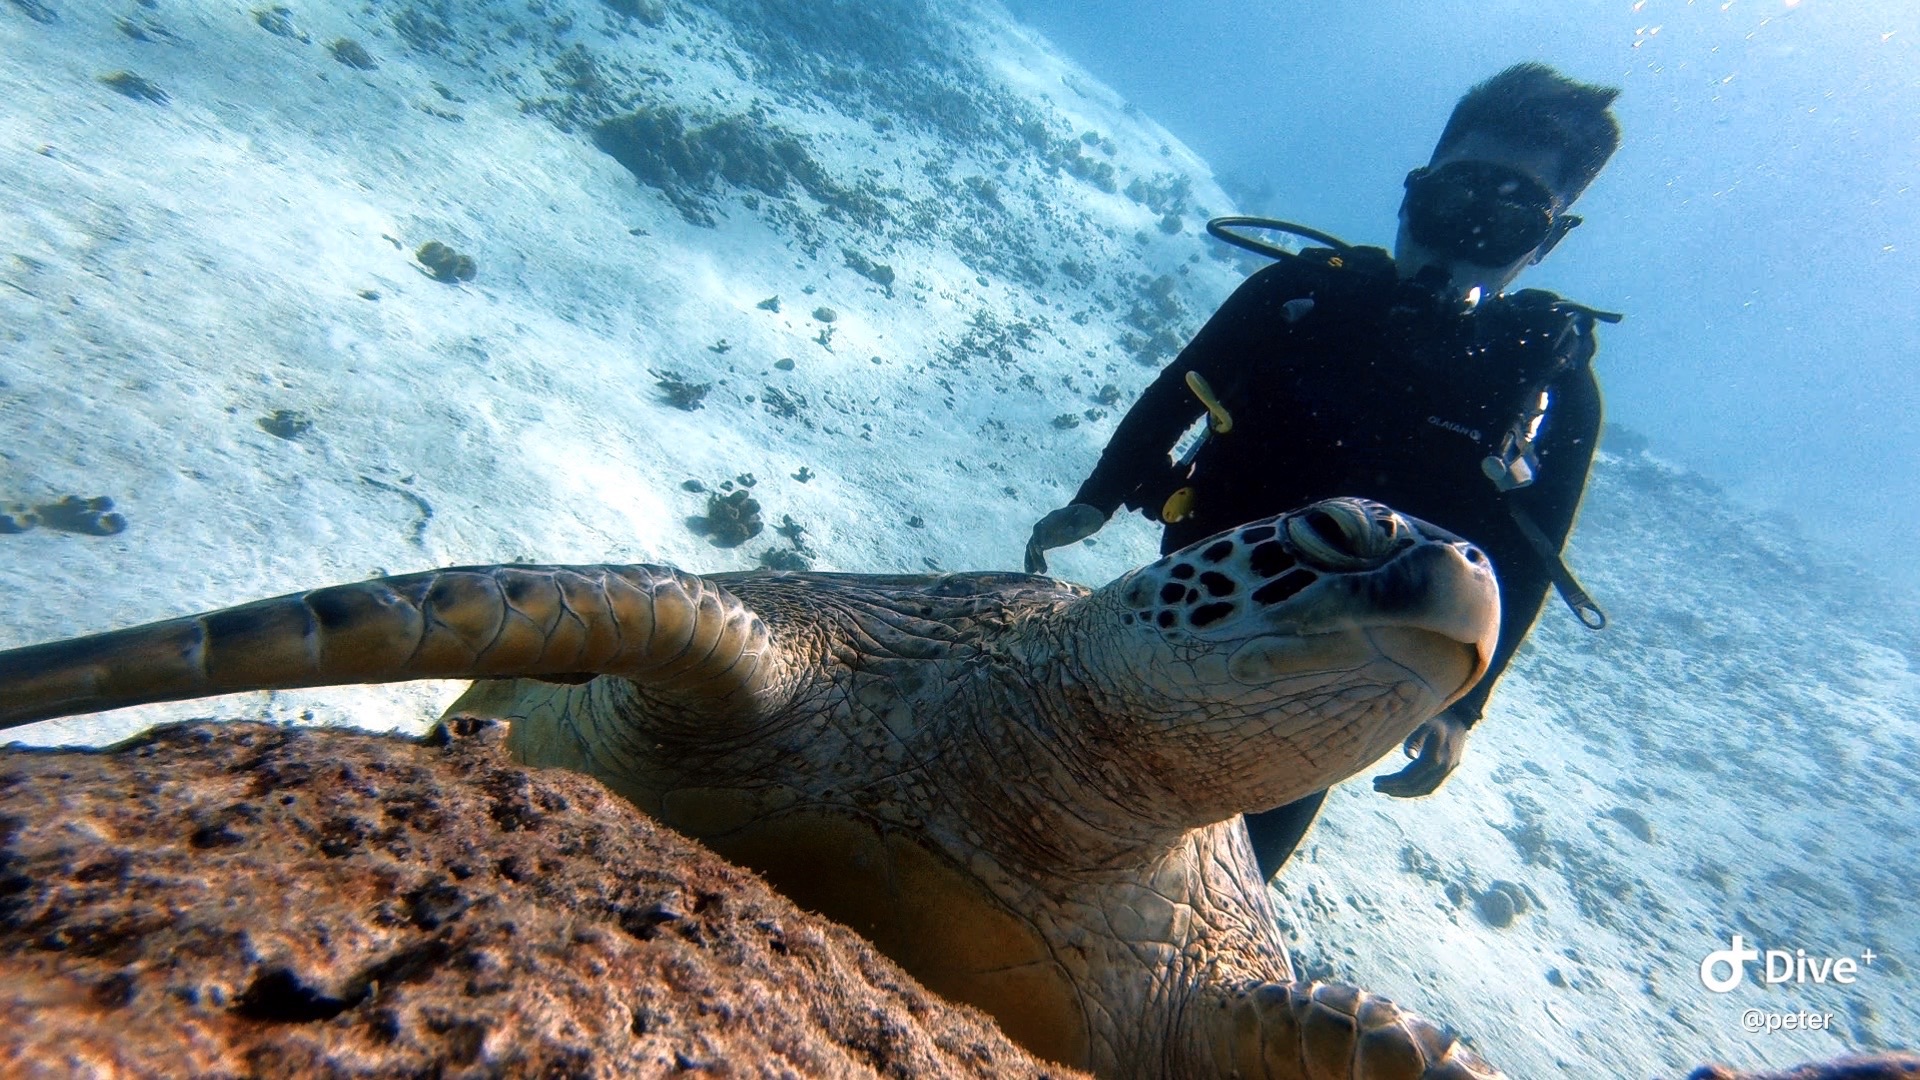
[[1760, 226]]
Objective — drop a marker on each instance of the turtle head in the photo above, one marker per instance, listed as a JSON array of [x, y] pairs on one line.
[[1283, 656]]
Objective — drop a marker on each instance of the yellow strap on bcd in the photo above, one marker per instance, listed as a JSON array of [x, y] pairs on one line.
[[1178, 507], [1218, 418]]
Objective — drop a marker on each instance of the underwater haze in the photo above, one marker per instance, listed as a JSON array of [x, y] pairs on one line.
[[315, 293], [1759, 227]]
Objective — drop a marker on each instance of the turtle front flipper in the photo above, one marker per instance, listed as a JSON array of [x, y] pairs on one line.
[[1323, 1031], [689, 641]]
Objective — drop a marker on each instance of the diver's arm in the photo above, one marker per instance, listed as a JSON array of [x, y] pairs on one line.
[[1137, 452], [1136, 455]]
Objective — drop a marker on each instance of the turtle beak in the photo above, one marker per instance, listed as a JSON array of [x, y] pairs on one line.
[[1438, 612]]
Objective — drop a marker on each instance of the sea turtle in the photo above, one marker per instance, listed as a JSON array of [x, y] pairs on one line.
[[1024, 791]]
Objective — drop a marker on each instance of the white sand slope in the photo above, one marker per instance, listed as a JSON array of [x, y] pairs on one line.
[[172, 273]]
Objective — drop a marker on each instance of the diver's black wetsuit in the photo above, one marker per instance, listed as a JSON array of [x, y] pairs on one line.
[[1375, 391]]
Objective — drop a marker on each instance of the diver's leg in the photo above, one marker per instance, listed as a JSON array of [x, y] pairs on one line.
[[1276, 833]]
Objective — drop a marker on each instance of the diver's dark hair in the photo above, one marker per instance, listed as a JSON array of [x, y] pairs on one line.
[[1534, 105]]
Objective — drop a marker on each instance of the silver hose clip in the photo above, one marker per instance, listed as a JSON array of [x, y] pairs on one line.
[[1515, 465]]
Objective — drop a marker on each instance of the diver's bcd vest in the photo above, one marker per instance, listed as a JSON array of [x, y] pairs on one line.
[[1476, 373], [1478, 381]]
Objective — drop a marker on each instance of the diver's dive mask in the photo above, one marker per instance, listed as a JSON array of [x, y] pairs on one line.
[[1482, 213]]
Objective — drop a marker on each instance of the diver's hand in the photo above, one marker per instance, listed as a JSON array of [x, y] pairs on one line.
[[1441, 744], [1069, 524]]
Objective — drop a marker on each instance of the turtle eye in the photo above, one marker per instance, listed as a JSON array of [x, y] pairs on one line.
[[1343, 535]]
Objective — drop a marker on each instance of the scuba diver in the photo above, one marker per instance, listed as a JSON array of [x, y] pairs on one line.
[[1412, 379]]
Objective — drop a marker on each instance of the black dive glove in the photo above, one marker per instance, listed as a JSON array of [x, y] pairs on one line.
[[1440, 744], [1069, 524]]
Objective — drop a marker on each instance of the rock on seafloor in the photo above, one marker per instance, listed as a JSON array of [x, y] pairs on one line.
[[246, 900]]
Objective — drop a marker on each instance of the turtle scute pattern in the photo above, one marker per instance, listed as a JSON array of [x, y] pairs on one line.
[[1325, 1031], [1026, 792]]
